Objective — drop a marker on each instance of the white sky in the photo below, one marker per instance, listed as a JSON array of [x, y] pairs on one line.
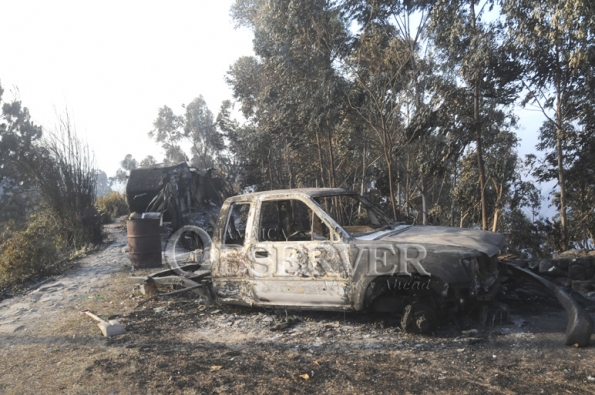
[[114, 63]]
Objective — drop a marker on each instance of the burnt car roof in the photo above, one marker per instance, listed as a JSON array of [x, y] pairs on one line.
[[285, 193]]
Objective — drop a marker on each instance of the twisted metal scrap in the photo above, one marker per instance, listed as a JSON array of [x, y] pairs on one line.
[[162, 201], [580, 323]]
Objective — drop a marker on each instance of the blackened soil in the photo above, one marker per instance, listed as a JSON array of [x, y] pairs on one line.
[[178, 346]]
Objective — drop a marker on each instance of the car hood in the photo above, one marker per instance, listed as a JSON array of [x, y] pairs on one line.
[[487, 242]]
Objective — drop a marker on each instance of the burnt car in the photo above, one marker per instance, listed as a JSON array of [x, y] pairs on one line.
[[331, 249]]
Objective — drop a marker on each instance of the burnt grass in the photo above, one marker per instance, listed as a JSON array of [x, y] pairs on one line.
[[176, 345], [339, 353]]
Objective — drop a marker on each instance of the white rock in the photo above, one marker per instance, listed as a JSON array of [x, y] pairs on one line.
[[20, 306], [11, 328]]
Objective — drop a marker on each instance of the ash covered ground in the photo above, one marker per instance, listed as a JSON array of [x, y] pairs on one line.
[[176, 345]]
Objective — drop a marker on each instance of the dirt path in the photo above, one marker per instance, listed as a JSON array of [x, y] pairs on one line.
[[179, 346], [53, 297]]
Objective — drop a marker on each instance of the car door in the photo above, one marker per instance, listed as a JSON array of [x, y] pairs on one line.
[[231, 274], [297, 260]]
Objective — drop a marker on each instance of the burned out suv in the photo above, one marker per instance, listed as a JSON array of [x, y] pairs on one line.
[[330, 249]]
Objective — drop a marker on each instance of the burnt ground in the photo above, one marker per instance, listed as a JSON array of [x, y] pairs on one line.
[[178, 346]]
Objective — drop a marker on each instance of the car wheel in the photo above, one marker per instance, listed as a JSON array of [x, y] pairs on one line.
[[419, 318]]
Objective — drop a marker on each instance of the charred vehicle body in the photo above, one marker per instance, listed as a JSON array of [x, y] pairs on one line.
[[330, 249]]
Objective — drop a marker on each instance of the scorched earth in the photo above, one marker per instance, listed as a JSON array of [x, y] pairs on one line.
[[176, 345]]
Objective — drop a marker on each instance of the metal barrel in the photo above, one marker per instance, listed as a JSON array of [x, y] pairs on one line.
[[144, 243]]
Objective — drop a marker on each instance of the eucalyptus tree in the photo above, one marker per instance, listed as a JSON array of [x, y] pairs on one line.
[[103, 183], [197, 127], [418, 96], [379, 69], [581, 174], [248, 142], [470, 41], [555, 40], [168, 131], [384, 69], [290, 90], [200, 129], [126, 166], [267, 142], [229, 160], [149, 160], [581, 193], [506, 191]]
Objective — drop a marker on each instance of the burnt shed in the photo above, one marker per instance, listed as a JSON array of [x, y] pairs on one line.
[[173, 189], [145, 183]]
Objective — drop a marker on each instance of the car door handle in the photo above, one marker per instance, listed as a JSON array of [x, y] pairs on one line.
[[261, 254]]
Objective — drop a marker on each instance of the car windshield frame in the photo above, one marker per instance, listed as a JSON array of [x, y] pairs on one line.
[[384, 221]]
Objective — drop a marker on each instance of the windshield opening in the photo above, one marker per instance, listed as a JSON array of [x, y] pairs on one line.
[[354, 214]]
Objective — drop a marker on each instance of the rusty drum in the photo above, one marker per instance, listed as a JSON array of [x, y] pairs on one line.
[[144, 243]]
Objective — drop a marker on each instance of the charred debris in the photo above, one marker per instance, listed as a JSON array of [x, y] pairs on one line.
[[182, 194]]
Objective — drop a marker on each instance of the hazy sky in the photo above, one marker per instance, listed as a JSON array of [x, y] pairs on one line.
[[114, 63]]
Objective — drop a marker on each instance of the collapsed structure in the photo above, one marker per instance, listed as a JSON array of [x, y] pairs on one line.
[[174, 190]]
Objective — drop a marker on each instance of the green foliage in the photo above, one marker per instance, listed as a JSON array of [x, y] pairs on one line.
[[555, 42], [18, 136], [168, 131], [200, 128], [53, 177], [292, 95], [112, 206], [32, 252], [197, 127], [411, 103]]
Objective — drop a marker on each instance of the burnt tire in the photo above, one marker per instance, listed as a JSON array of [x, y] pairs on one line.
[[419, 318]]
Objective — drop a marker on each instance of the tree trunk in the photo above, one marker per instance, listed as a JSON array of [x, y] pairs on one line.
[[387, 157], [497, 209], [452, 201], [562, 184], [320, 163], [463, 219], [398, 186], [331, 157], [480, 163], [363, 168], [361, 191], [424, 202], [270, 170], [287, 157], [496, 217], [560, 154], [478, 141], [407, 186]]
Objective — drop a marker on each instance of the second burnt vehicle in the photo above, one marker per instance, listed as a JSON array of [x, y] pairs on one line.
[[331, 249]]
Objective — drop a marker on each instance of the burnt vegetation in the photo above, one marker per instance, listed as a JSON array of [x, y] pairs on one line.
[[48, 200], [413, 104]]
